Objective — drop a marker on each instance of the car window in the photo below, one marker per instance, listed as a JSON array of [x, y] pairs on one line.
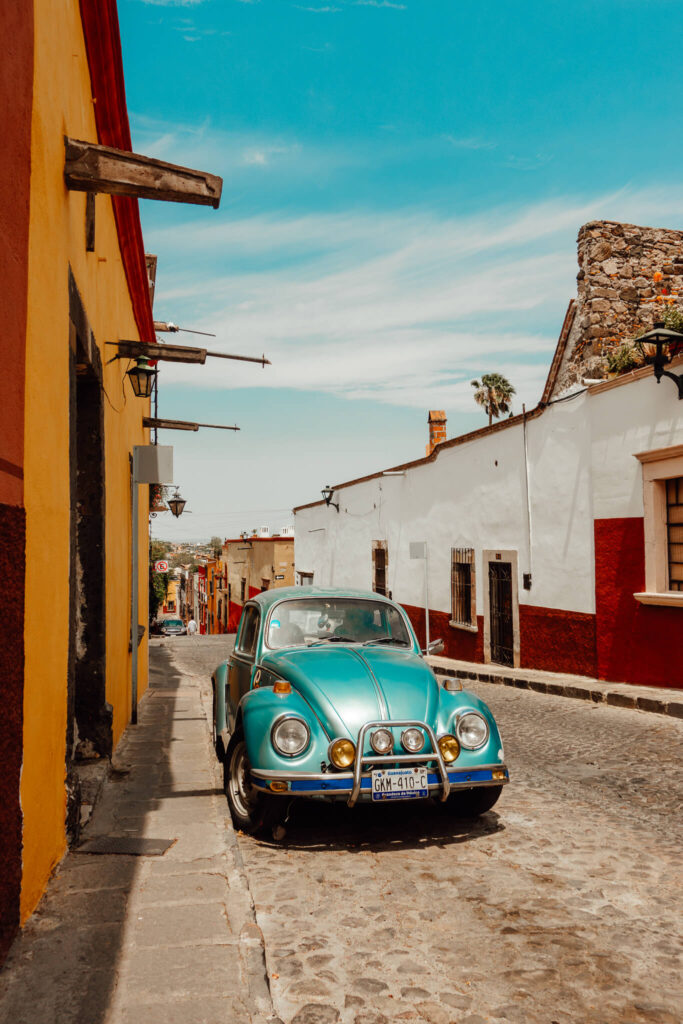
[[313, 620], [249, 630]]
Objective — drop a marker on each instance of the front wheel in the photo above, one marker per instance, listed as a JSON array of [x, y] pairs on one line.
[[470, 803], [251, 810]]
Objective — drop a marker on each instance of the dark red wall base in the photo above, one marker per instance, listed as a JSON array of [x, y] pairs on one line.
[[550, 639], [636, 643], [12, 567]]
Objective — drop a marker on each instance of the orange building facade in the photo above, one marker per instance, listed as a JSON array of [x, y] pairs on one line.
[[66, 434]]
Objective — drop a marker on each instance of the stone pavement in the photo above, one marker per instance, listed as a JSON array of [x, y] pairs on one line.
[[660, 700], [560, 906], [152, 939]]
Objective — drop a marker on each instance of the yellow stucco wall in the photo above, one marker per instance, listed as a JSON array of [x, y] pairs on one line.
[[63, 106]]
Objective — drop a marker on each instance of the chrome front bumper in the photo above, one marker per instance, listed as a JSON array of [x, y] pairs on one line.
[[357, 783]]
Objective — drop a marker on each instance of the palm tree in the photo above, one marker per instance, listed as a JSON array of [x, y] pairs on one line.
[[494, 393]]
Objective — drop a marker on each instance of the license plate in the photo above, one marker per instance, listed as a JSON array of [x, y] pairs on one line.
[[399, 784]]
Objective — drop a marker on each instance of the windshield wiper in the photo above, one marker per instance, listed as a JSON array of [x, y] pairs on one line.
[[333, 639], [387, 640]]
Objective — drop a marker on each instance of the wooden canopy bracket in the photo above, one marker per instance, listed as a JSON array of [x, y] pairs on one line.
[[156, 424], [89, 167]]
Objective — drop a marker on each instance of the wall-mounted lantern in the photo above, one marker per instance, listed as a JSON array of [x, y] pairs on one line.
[[142, 378], [663, 341], [176, 504], [327, 493]]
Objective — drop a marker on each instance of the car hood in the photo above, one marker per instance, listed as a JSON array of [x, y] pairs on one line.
[[348, 686]]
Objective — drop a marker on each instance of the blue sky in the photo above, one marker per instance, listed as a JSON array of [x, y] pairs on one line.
[[403, 185]]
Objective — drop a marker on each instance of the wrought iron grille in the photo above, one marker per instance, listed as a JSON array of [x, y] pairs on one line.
[[462, 573], [500, 600], [674, 531]]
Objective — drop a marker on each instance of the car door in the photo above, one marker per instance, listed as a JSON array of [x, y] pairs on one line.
[[242, 659]]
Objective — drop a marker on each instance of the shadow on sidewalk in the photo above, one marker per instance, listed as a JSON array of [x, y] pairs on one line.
[[62, 968]]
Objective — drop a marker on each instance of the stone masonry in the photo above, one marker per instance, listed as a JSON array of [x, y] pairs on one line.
[[618, 293]]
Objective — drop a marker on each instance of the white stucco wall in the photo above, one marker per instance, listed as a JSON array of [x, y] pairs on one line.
[[581, 467]]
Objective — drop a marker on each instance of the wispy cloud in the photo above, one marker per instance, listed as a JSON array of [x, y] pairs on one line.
[[379, 3], [173, 3], [472, 142], [401, 307]]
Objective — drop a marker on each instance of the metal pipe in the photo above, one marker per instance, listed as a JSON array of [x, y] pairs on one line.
[[134, 594]]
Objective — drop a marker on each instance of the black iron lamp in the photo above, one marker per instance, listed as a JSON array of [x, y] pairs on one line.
[[327, 493], [176, 504], [662, 338], [142, 377]]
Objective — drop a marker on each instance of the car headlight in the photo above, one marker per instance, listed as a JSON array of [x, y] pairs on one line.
[[449, 747], [290, 736], [342, 753], [381, 741], [413, 740], [472, 730]]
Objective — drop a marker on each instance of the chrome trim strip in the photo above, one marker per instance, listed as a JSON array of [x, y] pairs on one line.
[[279, 774], [397, 758], [383, 709]]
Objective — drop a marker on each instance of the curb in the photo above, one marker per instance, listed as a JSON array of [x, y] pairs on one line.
[[615, 698]]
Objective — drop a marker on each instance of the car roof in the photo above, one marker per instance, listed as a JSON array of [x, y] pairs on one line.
[[268, 598]]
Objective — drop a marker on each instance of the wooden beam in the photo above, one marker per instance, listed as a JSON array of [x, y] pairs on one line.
[[92, 168], [177, 353], [170, 353], [151, 264], [152, 423]]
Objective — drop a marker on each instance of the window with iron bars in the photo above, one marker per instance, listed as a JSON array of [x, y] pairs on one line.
[[674, 532], [463, 607]]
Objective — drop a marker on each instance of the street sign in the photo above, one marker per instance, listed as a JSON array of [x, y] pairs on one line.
[[161, 566], [279, 577]]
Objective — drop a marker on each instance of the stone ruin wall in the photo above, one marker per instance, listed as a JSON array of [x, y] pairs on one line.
[[617, 293]]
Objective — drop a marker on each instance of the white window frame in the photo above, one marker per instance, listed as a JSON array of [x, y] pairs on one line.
[[658, 466]]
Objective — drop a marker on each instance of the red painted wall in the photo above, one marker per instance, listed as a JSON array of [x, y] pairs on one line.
[[557, 641], [554, 640], [635, 643]]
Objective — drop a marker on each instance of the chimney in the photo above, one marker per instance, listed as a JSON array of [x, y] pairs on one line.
[[437, 428]]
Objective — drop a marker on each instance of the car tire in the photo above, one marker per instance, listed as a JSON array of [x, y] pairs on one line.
[[470, 803], [251, 810]]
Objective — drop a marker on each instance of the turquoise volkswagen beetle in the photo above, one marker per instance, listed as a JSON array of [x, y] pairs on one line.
[[327, 696]]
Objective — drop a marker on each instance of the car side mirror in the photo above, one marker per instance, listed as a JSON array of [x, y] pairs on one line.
[[434, 647]]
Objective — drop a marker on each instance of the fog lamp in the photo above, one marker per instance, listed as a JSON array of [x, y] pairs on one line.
[[342, 753], [381, 741], [413, 740], [449, 747]]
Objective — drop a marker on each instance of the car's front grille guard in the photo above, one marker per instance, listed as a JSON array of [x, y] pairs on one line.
[[392, 758]]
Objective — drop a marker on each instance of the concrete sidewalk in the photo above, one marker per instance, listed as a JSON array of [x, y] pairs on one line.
[[660, 700], [149, 920]]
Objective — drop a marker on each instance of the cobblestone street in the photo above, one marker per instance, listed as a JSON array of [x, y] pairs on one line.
[[561, 905]]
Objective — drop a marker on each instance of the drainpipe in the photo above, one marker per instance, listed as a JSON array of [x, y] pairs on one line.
[[527, 576]]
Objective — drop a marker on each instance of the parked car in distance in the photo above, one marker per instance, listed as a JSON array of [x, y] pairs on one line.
[[327, 696], [173, 627]]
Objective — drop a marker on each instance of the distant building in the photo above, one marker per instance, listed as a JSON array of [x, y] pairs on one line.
[[250, 565]]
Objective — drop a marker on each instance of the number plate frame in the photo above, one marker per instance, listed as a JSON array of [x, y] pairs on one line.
[[399, 784]]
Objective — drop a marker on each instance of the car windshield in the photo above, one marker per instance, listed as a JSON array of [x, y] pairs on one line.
[[175, 623], [323, 620]]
